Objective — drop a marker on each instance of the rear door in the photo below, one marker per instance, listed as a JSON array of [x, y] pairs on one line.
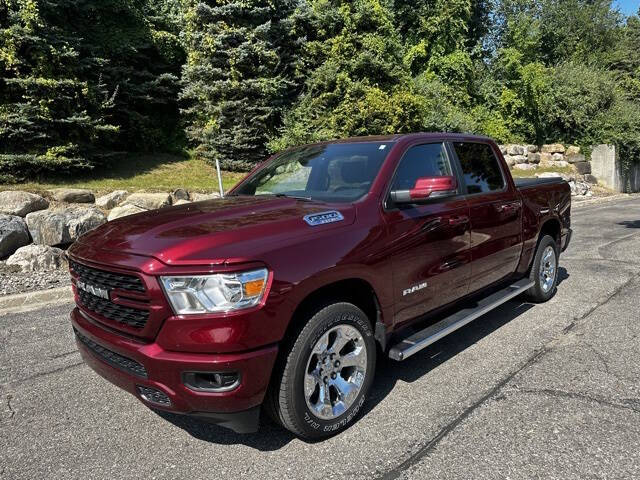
[[428, 244], [495, 208]]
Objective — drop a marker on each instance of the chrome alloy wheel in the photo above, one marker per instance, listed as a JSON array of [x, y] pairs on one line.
[[335, 372], [548, 269]]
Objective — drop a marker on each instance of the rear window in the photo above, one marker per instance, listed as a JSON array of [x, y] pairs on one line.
[[480, 167]]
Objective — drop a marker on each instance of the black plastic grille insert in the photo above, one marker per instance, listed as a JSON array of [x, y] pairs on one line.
[[108, 280], [131, 317], [112, 358]]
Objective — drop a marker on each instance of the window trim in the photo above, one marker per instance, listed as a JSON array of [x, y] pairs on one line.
[[505, 181], [387, 203]]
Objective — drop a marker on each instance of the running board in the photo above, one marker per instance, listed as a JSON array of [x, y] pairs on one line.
[[432, 334]]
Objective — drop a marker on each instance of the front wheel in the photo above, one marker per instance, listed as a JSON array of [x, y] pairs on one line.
[[326, 374], [544, 271]]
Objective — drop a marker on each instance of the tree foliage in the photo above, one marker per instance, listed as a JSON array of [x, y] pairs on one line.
[[82, 81]]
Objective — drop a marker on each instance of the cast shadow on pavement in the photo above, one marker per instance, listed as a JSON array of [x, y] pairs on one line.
[[271, 437], [630, 223]]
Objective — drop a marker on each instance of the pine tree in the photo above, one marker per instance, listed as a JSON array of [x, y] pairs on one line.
[[51, 116], [240, 74]]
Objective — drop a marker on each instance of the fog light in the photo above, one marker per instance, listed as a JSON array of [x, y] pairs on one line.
[[153, 395], [211, 381]]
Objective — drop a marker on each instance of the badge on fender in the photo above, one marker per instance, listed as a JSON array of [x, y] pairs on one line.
[[323, 218]]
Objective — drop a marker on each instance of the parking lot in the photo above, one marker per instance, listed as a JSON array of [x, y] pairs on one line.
[[527, 391]]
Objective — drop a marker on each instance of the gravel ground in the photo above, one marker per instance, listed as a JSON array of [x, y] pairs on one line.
[[18, 282]]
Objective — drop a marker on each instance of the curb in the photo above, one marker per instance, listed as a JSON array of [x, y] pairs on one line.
[[603, 200], [23, 302]]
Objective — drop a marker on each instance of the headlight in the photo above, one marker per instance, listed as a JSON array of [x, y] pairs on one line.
[[220, 292]]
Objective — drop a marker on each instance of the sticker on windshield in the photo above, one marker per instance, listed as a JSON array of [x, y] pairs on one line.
[[323, 218], [382, 147]]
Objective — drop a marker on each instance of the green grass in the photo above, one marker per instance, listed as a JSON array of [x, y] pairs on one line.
[[152, 173], [532, 173]]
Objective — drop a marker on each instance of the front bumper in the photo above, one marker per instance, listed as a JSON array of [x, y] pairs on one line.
[[131, 364]]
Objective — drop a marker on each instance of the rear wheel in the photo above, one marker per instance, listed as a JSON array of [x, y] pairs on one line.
[[326, 374], [544, 271]]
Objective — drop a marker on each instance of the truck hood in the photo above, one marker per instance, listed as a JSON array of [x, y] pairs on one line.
[[230, 230]]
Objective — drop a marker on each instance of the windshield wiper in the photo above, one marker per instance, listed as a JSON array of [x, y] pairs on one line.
[[296, 197]]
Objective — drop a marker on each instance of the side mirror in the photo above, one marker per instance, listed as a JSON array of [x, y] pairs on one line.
[[426, 188]]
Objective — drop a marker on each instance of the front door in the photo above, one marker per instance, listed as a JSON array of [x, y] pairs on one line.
[[495, 209], [429, 243]]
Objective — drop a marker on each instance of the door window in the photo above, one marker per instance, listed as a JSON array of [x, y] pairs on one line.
[[429, 160], [480, 167]]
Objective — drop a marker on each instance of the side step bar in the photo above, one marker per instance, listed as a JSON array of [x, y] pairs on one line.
[[433, 333]]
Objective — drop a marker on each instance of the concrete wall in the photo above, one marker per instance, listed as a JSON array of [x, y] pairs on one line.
[[607, 168]]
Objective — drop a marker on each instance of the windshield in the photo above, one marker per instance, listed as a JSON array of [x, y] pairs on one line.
[[333, 173]]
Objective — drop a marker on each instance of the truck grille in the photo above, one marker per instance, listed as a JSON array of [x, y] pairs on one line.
[[112, 358], [108, 280], [132, 317]]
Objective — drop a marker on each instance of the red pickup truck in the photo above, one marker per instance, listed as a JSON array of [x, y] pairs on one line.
[[282, 294]]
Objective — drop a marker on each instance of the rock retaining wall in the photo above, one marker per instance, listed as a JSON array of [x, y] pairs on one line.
[[34, 229]]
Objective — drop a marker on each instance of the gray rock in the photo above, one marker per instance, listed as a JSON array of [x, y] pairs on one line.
[[590, 179], [61, 227], [503, 149], [553, 148], [13, 234], [573, 150], [533, 157], [125, 210], [520, 159], [112, 199], [532, 148], [575, 158], [516, 150], [557, 164], [579, 188], [33, 258], [149, 201], [510, 160], [525, 166], [546, 159], [16, 202], [180, 194], [73, 195], [199, 197], [557, 157], [583, 167]]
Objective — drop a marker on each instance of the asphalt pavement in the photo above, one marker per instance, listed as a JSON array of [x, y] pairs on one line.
[[527, 391]]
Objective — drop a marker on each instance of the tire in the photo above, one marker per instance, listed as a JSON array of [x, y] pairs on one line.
[[341, 333], [544, 271]]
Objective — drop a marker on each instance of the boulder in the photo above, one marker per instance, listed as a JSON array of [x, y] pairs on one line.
[[20, 203], [180, 194], [579, 188], [520, 159], [533, 157], [557, 157], [590, 179], [13, 234], [532, 148], [112, 199], [583, 167], [199, 197], [73, 195], [503, 149], [516, 150], [553, 148], [181, 202], [576, 158], [33, 258], [149, 201], [510, 160], [546, 159], [557, 164], [525, 166], [573, 150], [124, 210], [61, 227]]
